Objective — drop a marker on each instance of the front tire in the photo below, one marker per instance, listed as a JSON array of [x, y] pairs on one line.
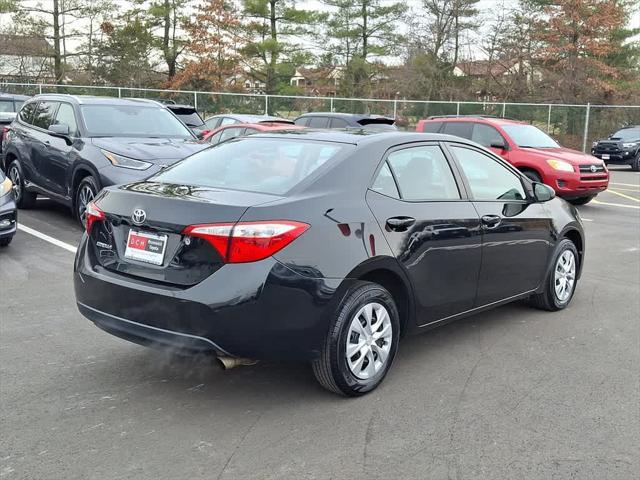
[[635, 164], [24, 199], [560, 284], [85, 193], [531, 175], [4, 242], [581, 200], [361, 343]]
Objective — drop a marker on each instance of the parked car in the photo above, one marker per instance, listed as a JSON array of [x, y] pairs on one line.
[[323, 246], [575, 176], [622, 147], [68, 147], [190, 117], [345, 120], [9, 105], [8, 211], [223, 119], [222, 134]]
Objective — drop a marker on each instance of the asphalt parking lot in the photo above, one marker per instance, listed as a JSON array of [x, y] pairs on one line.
[[511, 393]]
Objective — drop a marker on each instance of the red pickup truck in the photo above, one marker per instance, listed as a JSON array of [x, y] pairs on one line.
[[575, 176]]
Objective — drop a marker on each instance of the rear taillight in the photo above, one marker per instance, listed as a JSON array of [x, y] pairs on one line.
[[5, 132], [248, 241], [92, 215]]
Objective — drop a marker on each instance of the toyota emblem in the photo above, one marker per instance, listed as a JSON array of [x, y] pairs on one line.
[[139, 216], [594, 169]]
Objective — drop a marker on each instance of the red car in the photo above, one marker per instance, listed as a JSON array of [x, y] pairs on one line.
[[575, 176], [227, 132]]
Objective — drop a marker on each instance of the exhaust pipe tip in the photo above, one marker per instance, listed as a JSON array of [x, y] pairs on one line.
[[228, 363]]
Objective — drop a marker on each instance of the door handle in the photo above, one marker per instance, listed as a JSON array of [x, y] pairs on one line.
[[491, 221], [400, 224]]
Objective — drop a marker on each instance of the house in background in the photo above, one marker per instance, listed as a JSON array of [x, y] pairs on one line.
[[25, 59], [322, 81]]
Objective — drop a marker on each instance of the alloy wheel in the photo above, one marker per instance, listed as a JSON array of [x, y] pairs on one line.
[[14, 175], [85, 196], [565, 275], [369, 341]]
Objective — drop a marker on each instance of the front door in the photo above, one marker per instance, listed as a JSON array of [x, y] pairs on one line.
[[57, 165], [516, 233], [431, 228]]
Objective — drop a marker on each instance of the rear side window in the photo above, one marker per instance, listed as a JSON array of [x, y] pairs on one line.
[[26, 113], [486, 135], [212, 123], [6, 106], [264, 165], [338, 123], [431, 127], [423, 173], [66, 116], [385, 184], [230, 133], [43, 115], [303, 122], [228, 121], [459, 129], [318, 122]]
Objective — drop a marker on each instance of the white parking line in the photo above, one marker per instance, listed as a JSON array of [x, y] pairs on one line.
[[626, 184], [598, 202], [624, 195], [47, 238]]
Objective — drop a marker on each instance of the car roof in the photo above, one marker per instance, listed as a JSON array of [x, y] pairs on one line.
[[475, 118], [14, 96], [360, 136], [96, 100], [352, 116], [246, 117]]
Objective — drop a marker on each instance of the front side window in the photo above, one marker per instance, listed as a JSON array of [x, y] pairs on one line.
[[230, 133], [132, 121], [488, 179], [486, 135], [212, 123], [338, 123], [423, 173], [66, 116], [264, 165], [228, 121], [528, 136], [43, 115]]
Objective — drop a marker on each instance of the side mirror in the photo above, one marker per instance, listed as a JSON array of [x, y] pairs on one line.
[[542, 192], [499, 145], [59, 130]]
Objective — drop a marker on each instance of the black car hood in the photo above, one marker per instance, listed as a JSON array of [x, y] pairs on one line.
[[150, 149]]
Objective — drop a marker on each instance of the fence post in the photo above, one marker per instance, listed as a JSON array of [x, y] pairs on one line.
[[458, 109], [266, 104], [119, 92], [586, 128], [40, 88], [331, 104], [504, 109], [195, 100], [395, 108], [549, 120]]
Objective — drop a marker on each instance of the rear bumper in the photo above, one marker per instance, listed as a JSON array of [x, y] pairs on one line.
[[260, 310]]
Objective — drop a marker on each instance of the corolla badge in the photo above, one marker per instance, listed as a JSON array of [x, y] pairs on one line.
[[139, 216]]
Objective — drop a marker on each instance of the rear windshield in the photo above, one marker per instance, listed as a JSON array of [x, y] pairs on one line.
[[189, 116], [528, 136], [132, 121], [627, 134], [264, 165]]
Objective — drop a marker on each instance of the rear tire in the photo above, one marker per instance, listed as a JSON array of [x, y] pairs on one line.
[[581, 200], [554, 297], [361, 343], [85, 193], [24, 199]]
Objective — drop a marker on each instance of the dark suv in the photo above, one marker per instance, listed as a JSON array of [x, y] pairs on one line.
[[622, 147], [68, 147], [345, 120], [9, 105]]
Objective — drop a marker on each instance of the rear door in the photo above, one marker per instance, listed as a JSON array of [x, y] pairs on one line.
[[516, 233], [41, 143], [459, 129], [432, 229]]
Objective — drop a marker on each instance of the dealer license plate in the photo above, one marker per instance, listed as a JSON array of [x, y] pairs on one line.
[[146, 247], [606, 156]]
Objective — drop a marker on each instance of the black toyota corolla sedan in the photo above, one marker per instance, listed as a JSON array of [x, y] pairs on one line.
[[323, 246]]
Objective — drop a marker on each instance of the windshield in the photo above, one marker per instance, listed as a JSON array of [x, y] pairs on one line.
[[627, 134], [132, 121], [528, 136], [264, 165]]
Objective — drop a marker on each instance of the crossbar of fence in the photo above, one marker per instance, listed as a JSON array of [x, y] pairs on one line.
[[569, 125]]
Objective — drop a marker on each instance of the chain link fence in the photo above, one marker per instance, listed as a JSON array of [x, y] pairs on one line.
[[575, 126]]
